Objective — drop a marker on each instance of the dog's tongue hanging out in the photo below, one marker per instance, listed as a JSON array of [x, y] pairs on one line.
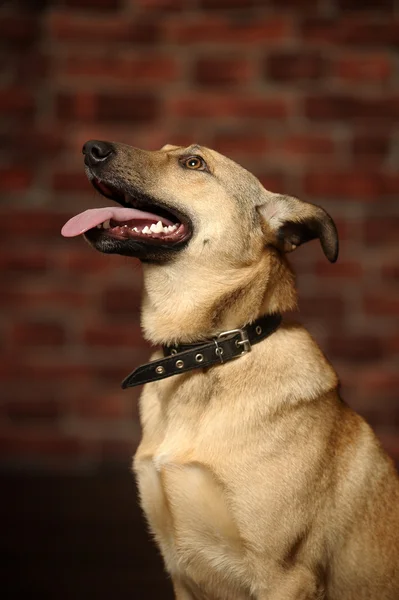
[[97, 216]]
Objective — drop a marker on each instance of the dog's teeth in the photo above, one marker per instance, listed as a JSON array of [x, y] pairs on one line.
[[165, 229], [100, 226], [159, 227], [106, 224], [135, 229], [154, 228], [146, 230]]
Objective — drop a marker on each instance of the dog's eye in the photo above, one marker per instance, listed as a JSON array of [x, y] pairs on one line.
[[194, 162]]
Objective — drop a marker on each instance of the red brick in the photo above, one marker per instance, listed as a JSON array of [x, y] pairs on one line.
[[31, 68], [294, 66], [319, 29], [308, 145], [121, 301], [113, 373], [347, 229], [111, 405], [202, 105], [62, 371], [28, 410], [277, 108], [15, 179], [56, 298], [228, 4], [29, 444], [370, 148], [339, 270], [355, 348], [369, 31], [27, 67], [79, 262], [392, 343], [351, 29], [161, 5], [18, 30], [247, 5], [20, 142], [38, 333], [139, 107], [16, 102], [96, 5], [390, 443], [381, 230], [70, 182], [355, 185], [388, 305], [326, 107], [275, 182], [222, 72], [390, 271], [214, 29], [124, 107], [381, 383], [328, 308], [44, 224], [121, 68], [89, 29], [241, 143], [362, 5], [81, 106], [342, 107], [298, 5], [26, 263], [391, 184], [364, 68], [116, 335]]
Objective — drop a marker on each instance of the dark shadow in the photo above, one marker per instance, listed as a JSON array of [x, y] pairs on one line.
[[74, 537]]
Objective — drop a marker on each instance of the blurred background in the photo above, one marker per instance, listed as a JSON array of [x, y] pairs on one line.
[[304, 93]]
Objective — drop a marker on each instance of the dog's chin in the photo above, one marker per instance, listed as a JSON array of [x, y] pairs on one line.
[[146, 251]]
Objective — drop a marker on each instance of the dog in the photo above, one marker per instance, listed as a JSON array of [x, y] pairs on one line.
[[257, 480]]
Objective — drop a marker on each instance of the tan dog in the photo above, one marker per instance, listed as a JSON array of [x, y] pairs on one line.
[[257, 480]]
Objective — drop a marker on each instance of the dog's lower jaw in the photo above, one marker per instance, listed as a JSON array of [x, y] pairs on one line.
[[185, 305]]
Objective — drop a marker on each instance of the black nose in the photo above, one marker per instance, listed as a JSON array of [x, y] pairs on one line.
[[97, 152]]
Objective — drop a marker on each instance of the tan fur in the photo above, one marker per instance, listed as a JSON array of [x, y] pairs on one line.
[[257, 480]]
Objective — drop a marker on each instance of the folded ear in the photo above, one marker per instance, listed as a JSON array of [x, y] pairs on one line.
[[295, 222]]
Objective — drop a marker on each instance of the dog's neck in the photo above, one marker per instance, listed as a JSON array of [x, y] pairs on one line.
[[185, 305]]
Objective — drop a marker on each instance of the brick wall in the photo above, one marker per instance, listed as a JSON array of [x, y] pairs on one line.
[[303, 93]]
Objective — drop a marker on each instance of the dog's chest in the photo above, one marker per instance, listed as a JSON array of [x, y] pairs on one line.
[[188, 512]]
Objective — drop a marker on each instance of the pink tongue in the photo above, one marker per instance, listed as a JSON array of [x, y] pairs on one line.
[[95, 216]]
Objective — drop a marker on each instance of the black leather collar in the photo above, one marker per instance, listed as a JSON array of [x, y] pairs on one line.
[[226, 346]]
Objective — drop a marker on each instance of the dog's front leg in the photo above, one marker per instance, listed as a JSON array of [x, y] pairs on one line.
[[180, 590], [298, 584]]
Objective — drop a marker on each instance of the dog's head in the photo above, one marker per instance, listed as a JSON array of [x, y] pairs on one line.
[[197, 214]]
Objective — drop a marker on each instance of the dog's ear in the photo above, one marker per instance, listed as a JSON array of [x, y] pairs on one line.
[[295, 222]]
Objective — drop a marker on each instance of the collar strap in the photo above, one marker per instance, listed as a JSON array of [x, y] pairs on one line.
[[226, 346]]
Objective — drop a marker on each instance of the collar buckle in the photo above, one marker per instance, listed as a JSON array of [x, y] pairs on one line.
[[244, 342]]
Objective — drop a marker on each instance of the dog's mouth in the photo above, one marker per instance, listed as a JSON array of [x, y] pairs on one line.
[[139, 218]]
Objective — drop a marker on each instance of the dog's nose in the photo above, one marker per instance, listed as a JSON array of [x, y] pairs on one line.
[[97, 152]]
